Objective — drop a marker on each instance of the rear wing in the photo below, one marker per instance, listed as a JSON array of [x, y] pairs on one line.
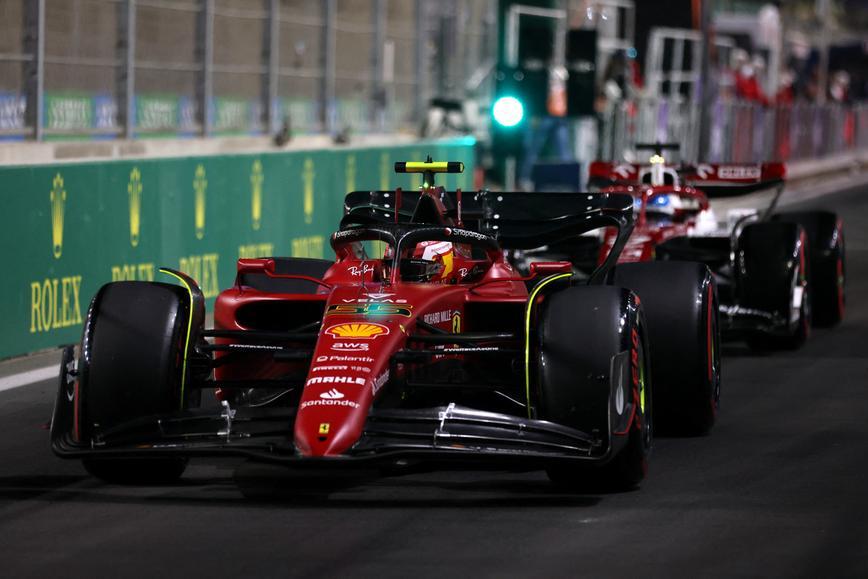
[[516, 220], [715, 180]]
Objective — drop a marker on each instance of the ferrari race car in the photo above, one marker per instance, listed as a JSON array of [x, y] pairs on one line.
[[777, 273], [420, 345]]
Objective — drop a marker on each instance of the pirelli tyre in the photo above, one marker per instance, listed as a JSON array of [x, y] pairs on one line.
[[593, 361], [772, 270], [827, 264], [132, 366], [679, 299]]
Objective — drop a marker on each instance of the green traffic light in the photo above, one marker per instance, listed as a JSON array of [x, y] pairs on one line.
[[508, 111]]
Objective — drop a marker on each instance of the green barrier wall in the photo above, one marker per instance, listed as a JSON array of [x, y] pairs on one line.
[[67, 229]]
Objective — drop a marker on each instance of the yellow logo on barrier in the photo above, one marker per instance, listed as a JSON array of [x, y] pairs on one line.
[[307, 177], [256, 179], [200, 186], [384, 171], [134, 189], [58, 206], [350, 173]]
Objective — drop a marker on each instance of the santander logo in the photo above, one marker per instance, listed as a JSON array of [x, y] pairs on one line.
[[333, 394]]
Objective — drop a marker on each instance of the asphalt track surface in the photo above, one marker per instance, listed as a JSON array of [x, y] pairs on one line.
[[779, 489]]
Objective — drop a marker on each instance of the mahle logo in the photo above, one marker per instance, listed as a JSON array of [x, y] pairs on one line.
[[134, 190], [307, 177], [200, 186], [256, 179], [58, 206]]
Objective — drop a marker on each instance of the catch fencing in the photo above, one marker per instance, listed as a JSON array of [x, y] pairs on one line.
[[738, 131], [98, 69]]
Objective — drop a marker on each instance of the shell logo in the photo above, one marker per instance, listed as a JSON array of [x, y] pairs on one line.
[[364, 331]]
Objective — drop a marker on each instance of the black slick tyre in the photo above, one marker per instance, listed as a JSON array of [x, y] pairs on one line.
[[772, 273], [584, 335], [827, 264], [679, 300], [135, 340]]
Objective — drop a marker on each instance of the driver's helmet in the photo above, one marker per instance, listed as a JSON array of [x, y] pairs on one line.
[[441, 253]]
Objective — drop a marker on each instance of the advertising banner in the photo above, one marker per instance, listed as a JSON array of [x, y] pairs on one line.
[[67, 229]]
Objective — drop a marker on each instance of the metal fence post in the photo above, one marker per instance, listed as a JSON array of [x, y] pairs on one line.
[[34, 68], [126, 81], [327, 61], [271, 56], [378, 88], [420, 108], [205, 56]]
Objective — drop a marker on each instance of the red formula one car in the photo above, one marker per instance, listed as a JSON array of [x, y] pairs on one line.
[[420, 344], [776, 272]]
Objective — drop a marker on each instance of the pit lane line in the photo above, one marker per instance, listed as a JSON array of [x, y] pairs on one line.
[[28, 378]]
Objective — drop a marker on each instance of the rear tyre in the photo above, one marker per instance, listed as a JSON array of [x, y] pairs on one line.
[[135, 337], [593, 361], [680, 302], [772, 270], [826, 277]]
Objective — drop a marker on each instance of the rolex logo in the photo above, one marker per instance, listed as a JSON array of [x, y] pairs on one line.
[[200, 186], [307, 177], [256, 179], [350, 173], [58, 205], [134, 189]]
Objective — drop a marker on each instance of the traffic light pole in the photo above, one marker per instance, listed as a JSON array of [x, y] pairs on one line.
[[516, 11]]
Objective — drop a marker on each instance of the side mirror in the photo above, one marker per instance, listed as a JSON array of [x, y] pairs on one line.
[[546, 268], [265, 266]]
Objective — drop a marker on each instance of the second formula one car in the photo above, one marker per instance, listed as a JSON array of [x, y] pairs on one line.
[[420, 345], [777, 272]]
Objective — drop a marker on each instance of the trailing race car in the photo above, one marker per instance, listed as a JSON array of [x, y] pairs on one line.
[[777, 272], [419, 345]]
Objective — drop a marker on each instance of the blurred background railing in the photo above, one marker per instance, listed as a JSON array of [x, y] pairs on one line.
[[740, 131], [134, 68]]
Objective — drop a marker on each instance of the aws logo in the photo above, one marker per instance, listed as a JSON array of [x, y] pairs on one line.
[[200, 186], [58, 208], [134, 190], [364, 331], [307, 177], [256, 180]]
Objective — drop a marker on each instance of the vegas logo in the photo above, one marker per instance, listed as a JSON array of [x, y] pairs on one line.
[[364, 331], [256, 179], [134, 190], [200, 186], [58, 206]]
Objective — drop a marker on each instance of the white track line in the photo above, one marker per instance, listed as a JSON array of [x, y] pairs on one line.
[[29, 377]]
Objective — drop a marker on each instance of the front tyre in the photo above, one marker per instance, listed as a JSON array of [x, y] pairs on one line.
[[593, 375], [133, 367]]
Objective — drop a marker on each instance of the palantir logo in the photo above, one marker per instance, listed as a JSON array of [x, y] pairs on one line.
[[256, 179], [134, 189], [58, 206], [200, 186], [333, 394]]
